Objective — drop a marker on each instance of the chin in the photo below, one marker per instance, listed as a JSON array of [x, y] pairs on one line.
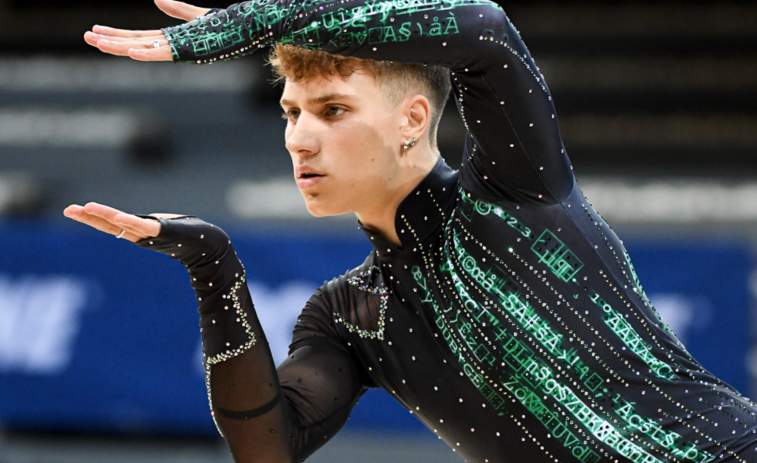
[[318, 213], [318, 208]]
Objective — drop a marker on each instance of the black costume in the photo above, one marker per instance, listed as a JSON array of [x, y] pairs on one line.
[[510, 321]]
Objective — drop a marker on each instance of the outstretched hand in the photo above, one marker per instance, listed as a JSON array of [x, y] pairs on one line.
[[140, 45], [112, 221]]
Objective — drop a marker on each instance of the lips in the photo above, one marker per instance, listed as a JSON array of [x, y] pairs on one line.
[[307, 177]]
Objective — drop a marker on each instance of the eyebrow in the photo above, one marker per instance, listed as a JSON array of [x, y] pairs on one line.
[[321, 99]]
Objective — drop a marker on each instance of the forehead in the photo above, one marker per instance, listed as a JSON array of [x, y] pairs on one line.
[[358, 86]]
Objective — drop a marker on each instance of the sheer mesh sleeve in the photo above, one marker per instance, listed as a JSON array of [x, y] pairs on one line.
[[264, 414]]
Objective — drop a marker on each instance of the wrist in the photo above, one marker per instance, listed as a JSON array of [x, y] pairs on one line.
[[204, 249], [219, 281], [225, 324]]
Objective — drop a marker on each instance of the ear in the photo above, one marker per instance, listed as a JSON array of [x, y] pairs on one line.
[[417, 114]]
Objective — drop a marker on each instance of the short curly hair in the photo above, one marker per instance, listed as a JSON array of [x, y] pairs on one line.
[[396, 79]]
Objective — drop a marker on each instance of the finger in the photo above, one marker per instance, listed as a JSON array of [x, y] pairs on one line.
[[131, 229], [181, 10], [101, 210], [123, 48], [129, 236], [104, 30], [81, 214], [151, 54], [114, 48], [148, 40], [98, 223], [73, 211], [132, 235], [138, 225], [92, 38]]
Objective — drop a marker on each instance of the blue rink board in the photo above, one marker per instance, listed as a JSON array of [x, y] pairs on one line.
[[99, 335]]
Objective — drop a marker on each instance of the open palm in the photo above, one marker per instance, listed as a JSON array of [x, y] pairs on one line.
[[141, 45]]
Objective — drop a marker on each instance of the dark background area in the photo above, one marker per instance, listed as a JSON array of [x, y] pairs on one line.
[[641, 87]]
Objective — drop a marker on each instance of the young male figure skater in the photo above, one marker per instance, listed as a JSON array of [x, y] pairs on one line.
[[497, 306]]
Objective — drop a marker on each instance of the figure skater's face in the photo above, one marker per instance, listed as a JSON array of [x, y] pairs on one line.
[[345, 139]]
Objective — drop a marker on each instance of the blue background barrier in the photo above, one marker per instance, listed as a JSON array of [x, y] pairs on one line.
[[99, 335]]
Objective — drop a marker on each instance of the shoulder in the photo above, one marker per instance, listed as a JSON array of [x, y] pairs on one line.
[[358, 301], [335, 296], [331, 310], [360, 297]]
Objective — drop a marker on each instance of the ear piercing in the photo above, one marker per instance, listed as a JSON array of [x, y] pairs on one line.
[[409, 144]]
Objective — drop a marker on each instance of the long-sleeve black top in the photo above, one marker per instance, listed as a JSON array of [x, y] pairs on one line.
[[510, 321]]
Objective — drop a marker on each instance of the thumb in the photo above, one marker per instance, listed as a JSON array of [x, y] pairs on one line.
[[180, 10]]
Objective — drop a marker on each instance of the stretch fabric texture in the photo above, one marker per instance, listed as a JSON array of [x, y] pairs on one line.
[[510, 321]]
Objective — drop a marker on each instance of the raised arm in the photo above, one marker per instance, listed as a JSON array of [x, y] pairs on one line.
[[513, 149], [264, 415]]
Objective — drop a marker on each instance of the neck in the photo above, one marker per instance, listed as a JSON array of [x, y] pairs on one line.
[[381, 215]]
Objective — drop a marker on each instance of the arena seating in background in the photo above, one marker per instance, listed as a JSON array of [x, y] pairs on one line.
[[641, 89]]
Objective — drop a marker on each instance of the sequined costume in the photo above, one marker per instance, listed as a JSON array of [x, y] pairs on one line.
[[510, 321]]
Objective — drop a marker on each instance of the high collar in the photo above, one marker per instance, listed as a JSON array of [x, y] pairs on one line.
[[420, 213]]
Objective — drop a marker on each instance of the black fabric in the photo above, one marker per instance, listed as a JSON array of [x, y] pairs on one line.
[[246, 415], [319, 382], [510, 321]]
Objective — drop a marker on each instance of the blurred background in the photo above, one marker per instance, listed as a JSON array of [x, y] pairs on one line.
[[99, 347]]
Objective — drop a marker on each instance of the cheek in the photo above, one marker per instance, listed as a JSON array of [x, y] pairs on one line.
[[358, 155], [364, 155]]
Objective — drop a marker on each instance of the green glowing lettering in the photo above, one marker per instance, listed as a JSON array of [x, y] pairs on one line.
[[558, 258], [436, 28], [669, 440], [482, 207], [452, 26], [389, 35], [405, 31], [625, 332]]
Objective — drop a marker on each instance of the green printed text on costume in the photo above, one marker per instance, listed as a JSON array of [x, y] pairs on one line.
[[632, 340], [250, 25], [481, 352], [483, 208], [536, 379], [507, 292], [669, 440], [472, 355], [529, 378], [552, 252]]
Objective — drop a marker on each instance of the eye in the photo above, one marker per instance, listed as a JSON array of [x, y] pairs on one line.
[[292, 114], [334, 110]]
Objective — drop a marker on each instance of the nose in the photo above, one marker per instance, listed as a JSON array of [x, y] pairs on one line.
[[301, 139]]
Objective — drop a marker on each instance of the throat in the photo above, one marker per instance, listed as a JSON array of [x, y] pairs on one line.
[[380, 215], [385, 228]]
